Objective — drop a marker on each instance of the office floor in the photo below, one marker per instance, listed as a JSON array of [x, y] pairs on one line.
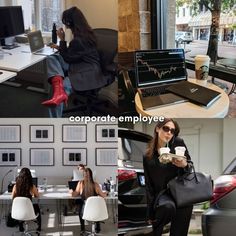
[[71, 225], [22, 103]]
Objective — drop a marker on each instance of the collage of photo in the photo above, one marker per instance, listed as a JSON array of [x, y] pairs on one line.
[[117, 117]]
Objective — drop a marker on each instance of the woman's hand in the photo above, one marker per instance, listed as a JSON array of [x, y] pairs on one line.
[[61, 34], [54, 46], [179, 162], [71, 191]]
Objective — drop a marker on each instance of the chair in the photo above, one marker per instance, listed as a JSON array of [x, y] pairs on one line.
[[90, 100], [23, 210], [95, 210]]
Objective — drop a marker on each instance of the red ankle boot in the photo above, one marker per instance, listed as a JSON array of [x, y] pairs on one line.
[[59, 94]]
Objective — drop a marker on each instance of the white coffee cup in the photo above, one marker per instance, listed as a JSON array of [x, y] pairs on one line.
[[202, 67], [180, 151], [164, 150]]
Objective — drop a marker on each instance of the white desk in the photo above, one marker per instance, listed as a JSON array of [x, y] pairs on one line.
[[219, 109], [57, 193], [6, 75], [20, 59]]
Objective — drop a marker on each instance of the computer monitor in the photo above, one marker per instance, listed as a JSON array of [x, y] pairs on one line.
[[157, 67], [11, 22]]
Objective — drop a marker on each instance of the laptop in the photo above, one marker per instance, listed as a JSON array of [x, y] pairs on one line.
[[195, 93], [72, 185], [36, 44], [155, 70]]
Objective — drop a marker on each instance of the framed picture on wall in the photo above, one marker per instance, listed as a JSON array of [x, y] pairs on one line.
[[10, 133], [106, 157], [41, 133], [106, 133], [10, 156], [74, 133], [74, 156], [41, 156]]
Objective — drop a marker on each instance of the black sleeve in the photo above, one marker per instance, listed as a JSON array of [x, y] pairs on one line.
[[74, 53], [149, 191]]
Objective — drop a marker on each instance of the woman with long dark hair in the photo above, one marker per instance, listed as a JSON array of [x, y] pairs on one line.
[[87, 188], [161, 206], [80, 60], [24, 187]]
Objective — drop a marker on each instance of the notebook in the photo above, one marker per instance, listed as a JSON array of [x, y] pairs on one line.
[[155, 70], [195, 93], [72, 185], [36, 44]]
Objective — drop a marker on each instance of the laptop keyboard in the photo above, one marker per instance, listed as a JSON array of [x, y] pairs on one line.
[[153, 91]]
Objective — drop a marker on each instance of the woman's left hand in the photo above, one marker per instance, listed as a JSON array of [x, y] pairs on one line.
[[179, 162]]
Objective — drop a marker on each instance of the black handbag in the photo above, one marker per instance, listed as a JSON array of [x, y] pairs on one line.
[[191, 188]]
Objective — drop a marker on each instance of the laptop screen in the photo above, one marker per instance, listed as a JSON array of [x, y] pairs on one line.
[[35, 40], [154, 67]]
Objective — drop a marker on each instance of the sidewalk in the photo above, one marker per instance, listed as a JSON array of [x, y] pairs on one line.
[[224, 43]]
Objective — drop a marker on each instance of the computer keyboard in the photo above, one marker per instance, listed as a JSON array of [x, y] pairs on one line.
[[153, 91]]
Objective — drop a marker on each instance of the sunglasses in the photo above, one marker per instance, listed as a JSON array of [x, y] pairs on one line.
[[167, 129]]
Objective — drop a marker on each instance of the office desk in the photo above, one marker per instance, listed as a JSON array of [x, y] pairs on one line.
[[6, 75], [219, 109], [58, 193], [20, 59]]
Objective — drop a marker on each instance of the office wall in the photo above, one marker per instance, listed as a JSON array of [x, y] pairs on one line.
[[100, 14], [58, 170], [210, 142]]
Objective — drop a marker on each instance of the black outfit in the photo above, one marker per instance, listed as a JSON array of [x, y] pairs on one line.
[[85, 71], [161, 206], [81, 203], [36, 210]]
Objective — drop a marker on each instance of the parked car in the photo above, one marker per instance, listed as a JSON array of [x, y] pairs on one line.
[[132, 205], [220, 218], [183, 37]]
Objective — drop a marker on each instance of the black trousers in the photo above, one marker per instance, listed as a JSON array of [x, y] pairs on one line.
[[166, 212]]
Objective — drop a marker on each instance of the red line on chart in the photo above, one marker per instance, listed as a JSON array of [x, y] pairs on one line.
[[160, 74]]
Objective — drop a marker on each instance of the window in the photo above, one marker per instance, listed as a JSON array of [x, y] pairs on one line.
[[42, 14], [45, 13], [183, 12]]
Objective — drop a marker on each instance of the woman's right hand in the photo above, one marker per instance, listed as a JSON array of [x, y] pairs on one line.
[[54, 46], [61, 34]]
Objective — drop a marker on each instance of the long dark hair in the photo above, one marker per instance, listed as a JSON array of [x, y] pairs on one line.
[[89, 185], [75, 20], [153, 143], [24, 183]]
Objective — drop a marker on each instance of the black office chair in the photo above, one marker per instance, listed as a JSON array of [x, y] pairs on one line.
[[103, 100]]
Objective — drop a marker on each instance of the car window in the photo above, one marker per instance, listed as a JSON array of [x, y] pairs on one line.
[[133, 150], [231, 168]]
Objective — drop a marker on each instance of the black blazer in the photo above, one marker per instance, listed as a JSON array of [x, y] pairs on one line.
[[157, 175], [84, 65]]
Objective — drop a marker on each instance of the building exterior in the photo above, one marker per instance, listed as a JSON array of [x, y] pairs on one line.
[[200, 24]]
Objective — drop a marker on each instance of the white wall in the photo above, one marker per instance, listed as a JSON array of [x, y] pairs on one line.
[[211, 142], [99, 13], [58, 169]]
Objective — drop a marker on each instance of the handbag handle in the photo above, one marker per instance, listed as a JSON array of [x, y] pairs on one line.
[[193, 171]]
